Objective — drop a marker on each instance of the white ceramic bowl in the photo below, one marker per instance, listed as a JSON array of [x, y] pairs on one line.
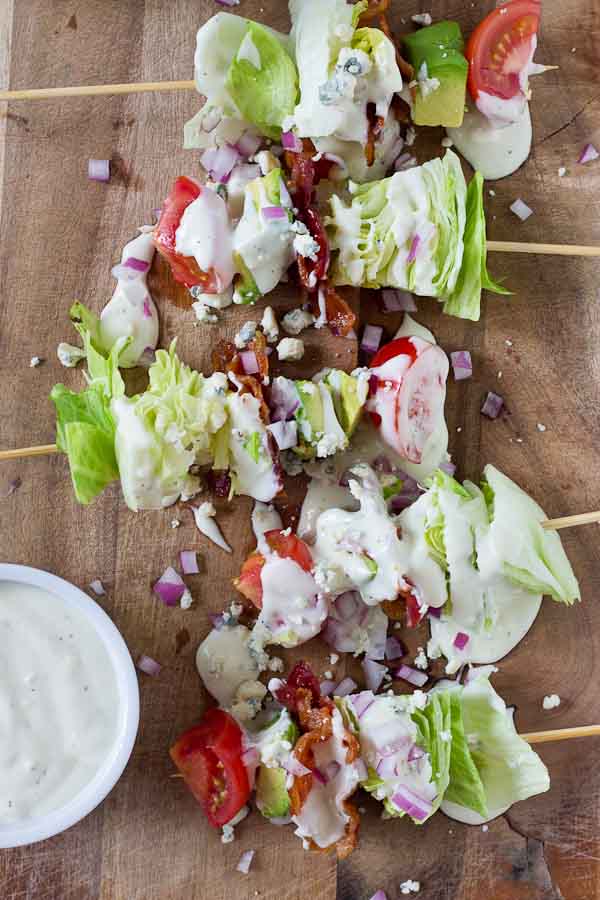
[[94, 792]]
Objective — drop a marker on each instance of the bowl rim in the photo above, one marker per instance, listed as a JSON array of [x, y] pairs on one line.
[[94, 792]]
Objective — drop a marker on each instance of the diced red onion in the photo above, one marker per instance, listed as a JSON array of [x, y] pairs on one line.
[[379, 895], [588, 154], [248, 144], [246, 858], [448, 467], [417, 807], [326, 688], [520, 209], [395, 300], [435, 612], [249, 362], [273, 212], [208, 158], [345, 687], [461, 640], [462, 365], [371, 338], [492, 406], [148, 665], [361, 702], [415, 752], [219, 163], [403, 500], [413, 676], [346, 605], [295, 767], [374, 673], [283, 399], [414, 246], [189, 562], [386, 767], [13, 486], [251, 757], [99, 169], [97, 587], [394, 649], [170, 587], [285, 434], [290, 141], [140, 265], [377, 636], [319, 776]]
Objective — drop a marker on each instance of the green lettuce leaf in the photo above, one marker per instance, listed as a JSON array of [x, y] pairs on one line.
[[85, 431], [531, 556], [465, 299], [434, 735], [509, 769], [465, 786], [266, 95]]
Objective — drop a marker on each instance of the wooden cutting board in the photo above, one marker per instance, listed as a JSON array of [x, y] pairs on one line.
[[59, 236]]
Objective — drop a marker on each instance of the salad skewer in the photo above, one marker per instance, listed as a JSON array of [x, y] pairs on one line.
[[561, 734]]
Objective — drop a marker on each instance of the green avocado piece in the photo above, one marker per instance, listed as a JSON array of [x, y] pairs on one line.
[[245, 290], [271, 794], [348, 407], [440, 47]]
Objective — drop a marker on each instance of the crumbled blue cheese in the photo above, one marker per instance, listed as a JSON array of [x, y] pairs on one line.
[[228, 834], [35, 362], [421, 19], [248, 700], [214, 301], [410, 886], [426, 84], [175, 523], [333, 658], [290, 349], [275, 664], [203, 314], [269, 325], [421, 661], [245, 335], [69, 355], [186, 599], [551, 701], [296, 320]]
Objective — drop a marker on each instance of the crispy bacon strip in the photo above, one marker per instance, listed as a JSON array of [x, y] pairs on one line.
[[340, 318], [226, 358], [376, 124], [406, 70], [376, 9]]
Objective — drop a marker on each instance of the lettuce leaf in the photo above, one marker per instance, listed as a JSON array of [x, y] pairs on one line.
[[509, 769], [530, 556], [264, 95], [434, 728], [465, 786], [465, 299]]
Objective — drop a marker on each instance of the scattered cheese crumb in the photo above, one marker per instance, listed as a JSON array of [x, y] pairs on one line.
[[397, 625], [275, 664], [562, 171], [410, 887], [35, 362], [203, 314], [485, 828], [519, 440], [499, 376], [228, 834], [540, 427], [69, 355], [421, 661], [328, 674], [459, 429], [411, 136], [290, 349], [245, 335], [447, 142], [269, 325], [175, 523], [492, 193], [296, 320], [334, 657], [362, 810], [421, 19], [573, 49], [508, 343], [186, 599], [551, 701]]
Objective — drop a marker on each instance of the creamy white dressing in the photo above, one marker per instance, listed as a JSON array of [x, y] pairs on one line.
[[255, 477], [131, 311], [204, 233], [265, 245], [292, 610], [226, 660], [323, 493], [494, 151], [59, 704], [322, 816], [264, 518]]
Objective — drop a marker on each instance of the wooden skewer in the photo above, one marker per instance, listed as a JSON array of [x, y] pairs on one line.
[[549, 524], [561, 734], [97, 90], [543, 249]]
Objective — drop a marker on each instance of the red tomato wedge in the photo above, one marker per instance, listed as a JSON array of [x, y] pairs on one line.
[[209, 756], [407, 400], [287, 546], [185, 269], [501, 47]]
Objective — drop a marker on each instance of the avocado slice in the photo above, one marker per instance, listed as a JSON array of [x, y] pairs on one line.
[[348, 406], [245, 290], [309, 417], [440, 47], [272, 797]]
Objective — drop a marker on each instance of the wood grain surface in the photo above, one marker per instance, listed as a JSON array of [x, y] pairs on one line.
[[59, 236]]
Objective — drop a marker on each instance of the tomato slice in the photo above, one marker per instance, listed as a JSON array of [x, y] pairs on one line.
[[287, 546], [501, 47], [209, 756], [407, 402], [185, 269]]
